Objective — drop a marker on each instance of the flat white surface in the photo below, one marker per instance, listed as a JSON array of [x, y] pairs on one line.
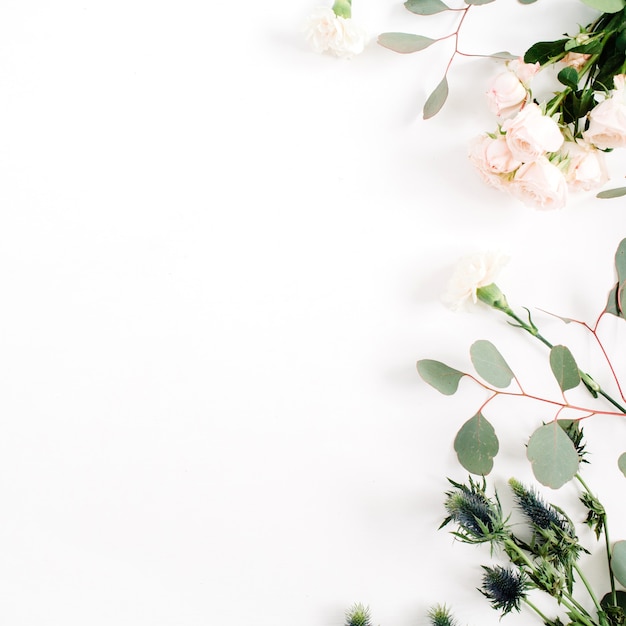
[[220, 257]]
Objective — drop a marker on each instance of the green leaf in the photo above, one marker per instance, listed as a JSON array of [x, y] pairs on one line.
[[426, 7], [620, 261], [552, 455], [606, 6], [611, 302], [618, 192], [443, 378], [478, 2], [607, 600], [568, 76], [490, 364], [544, 51], [476, 445], [527, 1], [506, 56], [621, 463], [436, 99], [618, 561], [564, 368], [404, 43]]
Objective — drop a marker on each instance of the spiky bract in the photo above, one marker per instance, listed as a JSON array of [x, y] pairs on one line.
[[505, 588]]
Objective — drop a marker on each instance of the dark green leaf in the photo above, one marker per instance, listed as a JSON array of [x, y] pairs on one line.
[[426, 7], [607, 600], [404, 43], [568, 76], [564, 368], [606, 6], [436, 99], [618, 192], [552, 455], [443, 378], [544, 51], [490, 364], [618, 561], [621, 463], [476, 445]]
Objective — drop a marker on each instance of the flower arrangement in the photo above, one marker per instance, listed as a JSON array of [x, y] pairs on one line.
[[541, 557], [540, 149]]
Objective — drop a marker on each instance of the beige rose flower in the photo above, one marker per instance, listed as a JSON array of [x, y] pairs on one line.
[[586, 166], [540, 184], [492, 158], [530, 134], [607, 120]]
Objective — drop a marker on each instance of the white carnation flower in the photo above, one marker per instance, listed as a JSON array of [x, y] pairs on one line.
[[327, 32], [472, 273]]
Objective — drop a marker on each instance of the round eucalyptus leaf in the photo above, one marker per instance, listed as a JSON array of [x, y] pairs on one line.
[[443, 378], [436, 99], [490, 364], [476, 445], [404, 43], [621, 463], [552, 455], [564, 368], [606, 6], [426, 7], [618, 561], [607, 600]]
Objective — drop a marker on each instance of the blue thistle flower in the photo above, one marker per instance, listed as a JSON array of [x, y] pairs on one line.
[[358, 615], [479, 519], [504, 588], [539, 513], [440, 615]]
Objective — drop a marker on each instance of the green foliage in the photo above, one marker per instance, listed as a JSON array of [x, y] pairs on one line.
[[552, 455], [436, 99], [490, 364], [568, 76], [564, 368], [476, 445], [606, 6], [618, 192], [443, 378], [426, 7], [618, 561], [621, 463], [544, 52], [404, 43]]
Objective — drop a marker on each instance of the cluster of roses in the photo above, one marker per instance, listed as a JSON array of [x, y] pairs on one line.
[[533, 156]]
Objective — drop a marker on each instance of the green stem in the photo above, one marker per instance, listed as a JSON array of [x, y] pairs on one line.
[[588, 587], [592, 386], [534, 608]]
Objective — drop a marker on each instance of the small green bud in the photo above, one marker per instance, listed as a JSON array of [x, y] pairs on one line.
[[493, 297], [343, 8]]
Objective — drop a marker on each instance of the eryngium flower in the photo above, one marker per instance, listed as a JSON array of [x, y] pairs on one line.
[[358, 615], [440, 616], [539, 513], [504, 588], [479, 519]]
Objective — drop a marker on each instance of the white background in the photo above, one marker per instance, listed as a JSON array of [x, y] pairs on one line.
[[220, 257]]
